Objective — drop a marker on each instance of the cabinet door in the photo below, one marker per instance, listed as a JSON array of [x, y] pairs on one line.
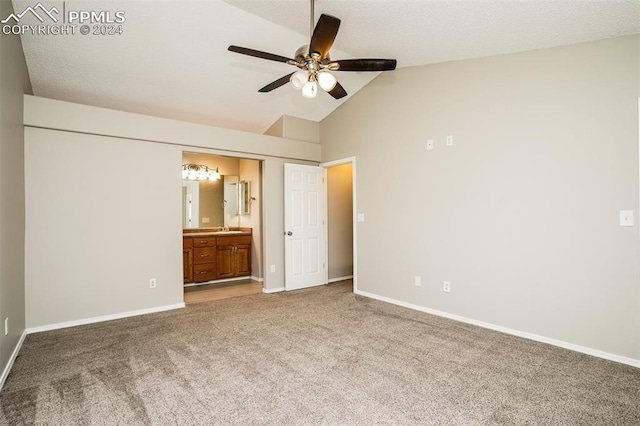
[[243, 260], [226, 261], [187, 265]]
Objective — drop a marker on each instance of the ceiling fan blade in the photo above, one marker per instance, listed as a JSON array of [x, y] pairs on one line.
[[323, 35], [338, 91], [259, 54], [274, 85], [365, 64]]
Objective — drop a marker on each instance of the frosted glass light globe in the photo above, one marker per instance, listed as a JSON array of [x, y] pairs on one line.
[[327, 81], [298, 79], [310, 90]]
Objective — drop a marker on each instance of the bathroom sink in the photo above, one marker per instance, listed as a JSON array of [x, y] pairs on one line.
[[229, 232]]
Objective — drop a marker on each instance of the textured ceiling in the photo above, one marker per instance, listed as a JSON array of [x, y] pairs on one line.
[[172, 59]]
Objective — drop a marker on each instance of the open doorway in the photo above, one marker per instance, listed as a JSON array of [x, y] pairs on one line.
[[222, 226], [341, 232]]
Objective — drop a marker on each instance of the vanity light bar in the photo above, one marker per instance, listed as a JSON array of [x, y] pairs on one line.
[[199, 172]]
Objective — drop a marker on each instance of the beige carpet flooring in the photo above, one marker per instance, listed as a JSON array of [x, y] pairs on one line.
[[321, 356]]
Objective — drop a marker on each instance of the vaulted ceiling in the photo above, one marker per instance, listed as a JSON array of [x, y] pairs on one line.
[[171, 59]]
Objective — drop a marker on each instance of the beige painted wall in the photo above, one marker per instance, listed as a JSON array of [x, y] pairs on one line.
[[79, 270], [295, 128], [276, 128], [340, 220], [93, 240], [521, 213], [300, 129], [12, 208], [250, 172], [53, 114]]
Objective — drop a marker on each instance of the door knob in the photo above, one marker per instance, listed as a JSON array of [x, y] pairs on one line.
[[289, 233]]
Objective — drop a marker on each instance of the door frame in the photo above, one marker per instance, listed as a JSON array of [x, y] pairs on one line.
[[340, 162]]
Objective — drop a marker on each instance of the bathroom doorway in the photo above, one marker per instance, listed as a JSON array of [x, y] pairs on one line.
[[222, 226]]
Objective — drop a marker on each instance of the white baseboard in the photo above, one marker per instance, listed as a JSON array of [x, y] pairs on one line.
[[335, 280], [257, 279], [12, 358], [103, 318], [582, 349], [273, 290]]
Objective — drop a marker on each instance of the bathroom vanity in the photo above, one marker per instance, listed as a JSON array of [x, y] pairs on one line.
[[210, 254]]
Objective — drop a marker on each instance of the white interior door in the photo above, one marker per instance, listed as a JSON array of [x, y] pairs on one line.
[[305, 200]]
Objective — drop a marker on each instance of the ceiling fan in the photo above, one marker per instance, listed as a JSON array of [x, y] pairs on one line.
[[314, 61]]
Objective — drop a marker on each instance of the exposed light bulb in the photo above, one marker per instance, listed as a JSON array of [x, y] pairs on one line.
[[298, 79], [185, 173], [327, 81], [193, 175], [310, 90]]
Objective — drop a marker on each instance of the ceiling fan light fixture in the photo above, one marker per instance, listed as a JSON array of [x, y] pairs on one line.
[[298, 79], [327, 81], [310, 89], [313, 61]]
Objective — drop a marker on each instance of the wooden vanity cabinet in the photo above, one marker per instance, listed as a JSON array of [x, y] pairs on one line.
[[187, 259], [234, 256], [204, 259]]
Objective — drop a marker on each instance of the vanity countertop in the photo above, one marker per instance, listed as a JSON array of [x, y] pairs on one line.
[[215, 233]]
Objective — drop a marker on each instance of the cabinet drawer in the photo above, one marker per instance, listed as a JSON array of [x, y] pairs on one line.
[[204, 241], [204, 272], [204, 255], [187, 242], [234, 240]]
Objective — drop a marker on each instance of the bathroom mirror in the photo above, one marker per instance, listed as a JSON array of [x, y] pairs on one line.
[[231, 195], [244, 197], [208, 204]]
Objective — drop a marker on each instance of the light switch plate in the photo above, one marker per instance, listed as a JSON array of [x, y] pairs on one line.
[[626, 217], [429, 144]]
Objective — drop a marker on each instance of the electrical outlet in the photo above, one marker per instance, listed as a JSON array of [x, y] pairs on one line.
[[446, 286], [273, 268], [626, 217], [6, 326], [152, 283], [418, 281], [449, 140]]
